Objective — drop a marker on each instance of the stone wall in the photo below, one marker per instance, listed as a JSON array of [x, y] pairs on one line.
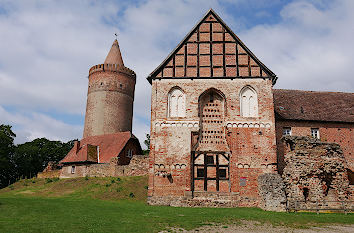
[[314, 172], [138, 166], [272, 190]]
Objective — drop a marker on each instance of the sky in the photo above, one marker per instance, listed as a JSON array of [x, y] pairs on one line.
[[48, 46]]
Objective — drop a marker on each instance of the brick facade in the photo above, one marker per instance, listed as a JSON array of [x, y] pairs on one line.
[[217, 143]]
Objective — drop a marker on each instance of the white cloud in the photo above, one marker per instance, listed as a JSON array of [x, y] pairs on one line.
[[36, 125], [310, 48]]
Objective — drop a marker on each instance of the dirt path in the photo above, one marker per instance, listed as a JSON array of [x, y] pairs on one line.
[[254, 227]]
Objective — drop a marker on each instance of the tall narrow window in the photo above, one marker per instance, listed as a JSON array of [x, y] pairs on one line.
[[72, 169], [248, 102], [315, 133], [176, 103]]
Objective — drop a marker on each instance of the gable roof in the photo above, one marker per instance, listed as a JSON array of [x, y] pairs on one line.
[[211, 50], [314, 105], [110, 145]]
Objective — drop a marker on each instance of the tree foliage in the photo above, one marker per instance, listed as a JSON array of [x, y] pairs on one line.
[[27, 159]]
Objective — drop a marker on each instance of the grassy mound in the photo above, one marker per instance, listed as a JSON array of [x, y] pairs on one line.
[[114, 204], [104, 188]]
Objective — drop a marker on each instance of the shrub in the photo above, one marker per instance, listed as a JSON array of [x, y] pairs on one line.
[[86, 178], [146, 187], [48, 180], [108, 184], [119, 179], [55, 179], [113, 181], [131, 195]]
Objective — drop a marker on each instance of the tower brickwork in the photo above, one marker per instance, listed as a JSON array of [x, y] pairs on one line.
[[110, 96]]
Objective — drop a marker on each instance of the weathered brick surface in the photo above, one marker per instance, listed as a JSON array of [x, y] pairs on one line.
[[314, 172], [110, 94], [251, 141]]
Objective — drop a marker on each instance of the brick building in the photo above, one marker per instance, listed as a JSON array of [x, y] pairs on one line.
[[107, 139], [214, 127]]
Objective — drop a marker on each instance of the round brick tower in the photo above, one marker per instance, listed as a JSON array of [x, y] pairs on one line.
[[110, 96]]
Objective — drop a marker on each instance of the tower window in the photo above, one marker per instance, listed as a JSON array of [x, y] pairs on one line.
[[315, 133], [72, 169], [287, 131]]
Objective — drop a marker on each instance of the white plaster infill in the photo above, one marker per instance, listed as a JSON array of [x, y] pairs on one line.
[[186, 124], [230, 124]]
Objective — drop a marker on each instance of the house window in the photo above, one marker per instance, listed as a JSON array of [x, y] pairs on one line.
[[176, 103], [130, 153], [248, 102], [222, 173], [72, 169], [287, 131], [210, 159], [200, 172], [315, 133]]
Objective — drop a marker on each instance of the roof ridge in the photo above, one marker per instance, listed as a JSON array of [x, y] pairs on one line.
[[341, 92]]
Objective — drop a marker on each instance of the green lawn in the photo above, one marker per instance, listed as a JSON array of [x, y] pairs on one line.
[[39, 208]]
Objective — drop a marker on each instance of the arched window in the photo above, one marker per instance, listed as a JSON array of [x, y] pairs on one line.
[[176, 103], [248, 102]]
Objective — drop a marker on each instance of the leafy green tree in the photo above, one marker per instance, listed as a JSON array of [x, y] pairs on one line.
[[32, 157], [7, 148]]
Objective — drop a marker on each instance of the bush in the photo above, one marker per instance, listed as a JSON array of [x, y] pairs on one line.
[[146, 187], [86, 177], [113, 181], [108, 184], [55, 179], [131, 195], [48, 180], [119, 179]]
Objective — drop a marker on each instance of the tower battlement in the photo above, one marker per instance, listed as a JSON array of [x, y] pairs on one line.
[[112, 68]]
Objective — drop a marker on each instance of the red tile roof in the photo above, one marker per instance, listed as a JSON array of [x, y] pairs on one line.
[[110, 146], [314, 105]]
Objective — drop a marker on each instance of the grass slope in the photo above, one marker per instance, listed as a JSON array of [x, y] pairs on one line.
[[118, 205]]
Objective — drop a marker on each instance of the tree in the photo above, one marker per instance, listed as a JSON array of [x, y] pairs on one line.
[[7, 148], [147, 141], [32, 157]]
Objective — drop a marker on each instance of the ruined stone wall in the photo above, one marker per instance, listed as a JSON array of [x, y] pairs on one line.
[[341, 133], [250, 139], [138, 166], [314, 171]]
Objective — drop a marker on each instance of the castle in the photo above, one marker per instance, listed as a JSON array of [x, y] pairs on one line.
[[108, 145], [217, 129]]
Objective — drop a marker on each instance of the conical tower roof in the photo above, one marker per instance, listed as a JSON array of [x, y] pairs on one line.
[[114, 56]]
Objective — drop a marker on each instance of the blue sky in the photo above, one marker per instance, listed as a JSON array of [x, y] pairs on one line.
[[47, 48]]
